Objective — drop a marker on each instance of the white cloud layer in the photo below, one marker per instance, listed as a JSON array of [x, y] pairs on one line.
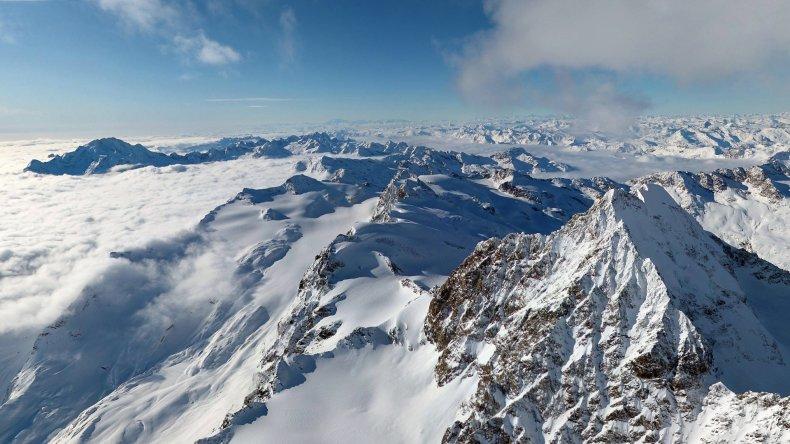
[[685, 40], [56, 233], [79, 220], [168, 19]]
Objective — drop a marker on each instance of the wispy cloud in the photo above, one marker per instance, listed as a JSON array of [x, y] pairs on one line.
[[206, 50], [288, 25], [6, 111], [173, 22], [187, 76], [250, 99], [597, 104], [143, 14], [5, 34]]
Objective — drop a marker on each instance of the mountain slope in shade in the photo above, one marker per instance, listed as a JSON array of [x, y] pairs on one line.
[[631, 323], [321, 310], [99, 156], [519, 159], [104, 155], [362, 304], [747, 207], [174, 337], [110, 154]]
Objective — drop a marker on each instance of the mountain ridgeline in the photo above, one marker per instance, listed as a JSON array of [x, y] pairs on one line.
[[391, 292]]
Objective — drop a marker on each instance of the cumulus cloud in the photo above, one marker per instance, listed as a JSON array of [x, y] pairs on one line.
[[683, 40], [173, 22], [288, 36]]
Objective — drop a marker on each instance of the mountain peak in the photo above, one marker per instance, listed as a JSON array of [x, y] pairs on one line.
[[628, 300], [109, 141]]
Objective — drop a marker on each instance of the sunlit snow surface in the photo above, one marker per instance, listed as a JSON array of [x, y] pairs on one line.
[[51, 224], [57, 233]]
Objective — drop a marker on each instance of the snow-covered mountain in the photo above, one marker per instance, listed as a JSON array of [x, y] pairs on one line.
[[519, 159], [391, 292], [103, 155], [747, 207], [758, 136], [631, 323], [416, 212], [692, 137]]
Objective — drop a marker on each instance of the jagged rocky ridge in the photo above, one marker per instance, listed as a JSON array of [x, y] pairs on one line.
[[404, 200], [696, 137], [105, 155], [747, 207], [631, 323], [429, 202], [290, 299]]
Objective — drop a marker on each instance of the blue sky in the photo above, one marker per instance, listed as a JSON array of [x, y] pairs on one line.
[[149, 66]]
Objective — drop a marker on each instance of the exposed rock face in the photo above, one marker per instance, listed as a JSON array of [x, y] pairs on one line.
[[552, 193], [746, 207], [626, 323], [519, 159], [765, 181], [285, 362], [613, 329], [426, 199]]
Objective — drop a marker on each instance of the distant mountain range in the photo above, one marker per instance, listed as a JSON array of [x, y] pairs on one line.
[[111, 154], [387, 291], [693, 137]]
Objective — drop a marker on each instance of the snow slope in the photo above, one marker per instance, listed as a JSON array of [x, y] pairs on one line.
[[111, 154], [631, 323], [748, 208], [702, 137], [197, 309], [320, 309], [103, 155]]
